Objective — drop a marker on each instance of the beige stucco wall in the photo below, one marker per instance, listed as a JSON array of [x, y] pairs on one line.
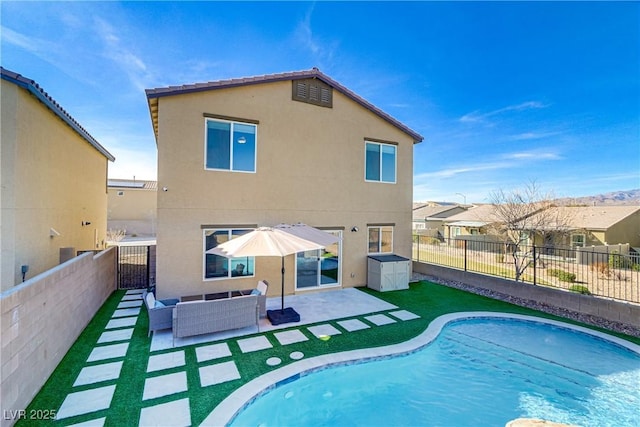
[[50, 178], [310, 168], [625, 231], [134, 211]]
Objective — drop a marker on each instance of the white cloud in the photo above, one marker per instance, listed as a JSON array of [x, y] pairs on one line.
[[119, 53], [43, 49], [479, 117], [526, 136], [532, 155]]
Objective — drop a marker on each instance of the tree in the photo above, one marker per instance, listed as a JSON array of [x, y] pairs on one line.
[[521, 214]]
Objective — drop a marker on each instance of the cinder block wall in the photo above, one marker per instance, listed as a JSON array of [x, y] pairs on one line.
[[617, 311], [42, 318]]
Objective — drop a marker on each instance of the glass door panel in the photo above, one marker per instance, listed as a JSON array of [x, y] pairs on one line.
[[319, 267], [307, 269]]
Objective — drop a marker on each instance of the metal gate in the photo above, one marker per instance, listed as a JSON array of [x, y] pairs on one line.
[[136, 266]]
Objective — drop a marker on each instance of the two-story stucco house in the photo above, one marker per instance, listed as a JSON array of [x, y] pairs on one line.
[[284, 148], [53, 183], [132, 206]]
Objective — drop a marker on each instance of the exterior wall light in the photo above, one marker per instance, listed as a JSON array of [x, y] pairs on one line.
[[354, 229]]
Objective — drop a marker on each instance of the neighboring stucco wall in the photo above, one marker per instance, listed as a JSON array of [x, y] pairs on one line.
[[42, 318], [625, 231], [51, 178], [310, 168], [134, 211]]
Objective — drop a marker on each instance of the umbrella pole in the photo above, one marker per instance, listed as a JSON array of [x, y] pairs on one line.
[[282, 293]]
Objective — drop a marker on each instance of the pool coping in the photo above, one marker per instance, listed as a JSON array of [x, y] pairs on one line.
[[227, 410]]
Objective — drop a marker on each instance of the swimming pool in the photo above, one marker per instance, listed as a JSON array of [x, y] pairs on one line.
[[477, 371]]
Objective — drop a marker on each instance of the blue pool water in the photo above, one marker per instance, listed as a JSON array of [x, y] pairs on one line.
[[477, 372]]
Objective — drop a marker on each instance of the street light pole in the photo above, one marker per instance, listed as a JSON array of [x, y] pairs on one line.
[[463, 197]]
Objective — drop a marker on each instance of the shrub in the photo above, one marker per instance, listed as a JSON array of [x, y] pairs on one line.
[[580, 289], [563, 276], [617, 260], [601, 268]]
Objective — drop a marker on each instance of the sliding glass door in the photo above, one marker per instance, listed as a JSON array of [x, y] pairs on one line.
[[320, 267]]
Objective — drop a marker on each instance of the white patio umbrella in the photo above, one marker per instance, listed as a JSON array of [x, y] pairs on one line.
[[309, 233], [266, 241]]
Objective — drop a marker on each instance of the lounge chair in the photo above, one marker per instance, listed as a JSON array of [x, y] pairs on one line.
[[160, 312]]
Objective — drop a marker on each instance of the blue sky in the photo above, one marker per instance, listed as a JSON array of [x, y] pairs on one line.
[[504, 93]]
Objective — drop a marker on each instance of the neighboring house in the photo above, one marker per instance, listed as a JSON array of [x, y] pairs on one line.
[[473, 221], [594, 225], [429, 219], [53, 181], [132, 206], [284, 148]]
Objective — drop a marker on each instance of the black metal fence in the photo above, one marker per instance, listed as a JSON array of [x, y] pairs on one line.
[[136, 266], [603, 273]]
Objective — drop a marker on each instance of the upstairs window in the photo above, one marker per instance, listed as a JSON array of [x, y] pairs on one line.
[[380, 162], [230, 146]]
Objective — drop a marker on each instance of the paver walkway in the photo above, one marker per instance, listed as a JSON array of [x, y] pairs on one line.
[[166, 370]]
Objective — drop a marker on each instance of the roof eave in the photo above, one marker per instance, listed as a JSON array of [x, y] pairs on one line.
[[43, 97], [297, 75]]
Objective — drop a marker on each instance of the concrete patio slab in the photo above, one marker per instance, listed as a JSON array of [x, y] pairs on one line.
[[164, 385], [134, 292], [159, 362], [380, 319], [214, 351], [112, 351], [130, 304], [126, 312], [117, 335], [290, 337], [131, 297], [312, 307], [218, 373], [296, 355], [404, 315], [175, 414], [98, 373], [249, 345], [274, 361], [352, 325], [121, 322], [324, 330], [84, 402]]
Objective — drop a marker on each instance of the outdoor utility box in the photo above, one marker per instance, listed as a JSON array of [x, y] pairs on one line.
[[388, 272]]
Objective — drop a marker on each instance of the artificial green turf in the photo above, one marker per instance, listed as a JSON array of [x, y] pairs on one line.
[[426, 299]]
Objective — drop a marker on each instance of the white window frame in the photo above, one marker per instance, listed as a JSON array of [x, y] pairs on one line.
[[233, 123], [573, 241], [229, 275], [395, 162], [379, 227]]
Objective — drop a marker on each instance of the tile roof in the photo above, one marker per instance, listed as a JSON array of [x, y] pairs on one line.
[[154, 94], [49, 102], [433, 212], [595, 217]]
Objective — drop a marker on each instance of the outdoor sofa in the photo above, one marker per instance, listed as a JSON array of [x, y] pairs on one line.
[[216, 315]]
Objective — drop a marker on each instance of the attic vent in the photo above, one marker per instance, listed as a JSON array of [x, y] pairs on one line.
[[313, 91]]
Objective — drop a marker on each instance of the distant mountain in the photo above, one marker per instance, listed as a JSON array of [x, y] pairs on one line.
[[630, 197]]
